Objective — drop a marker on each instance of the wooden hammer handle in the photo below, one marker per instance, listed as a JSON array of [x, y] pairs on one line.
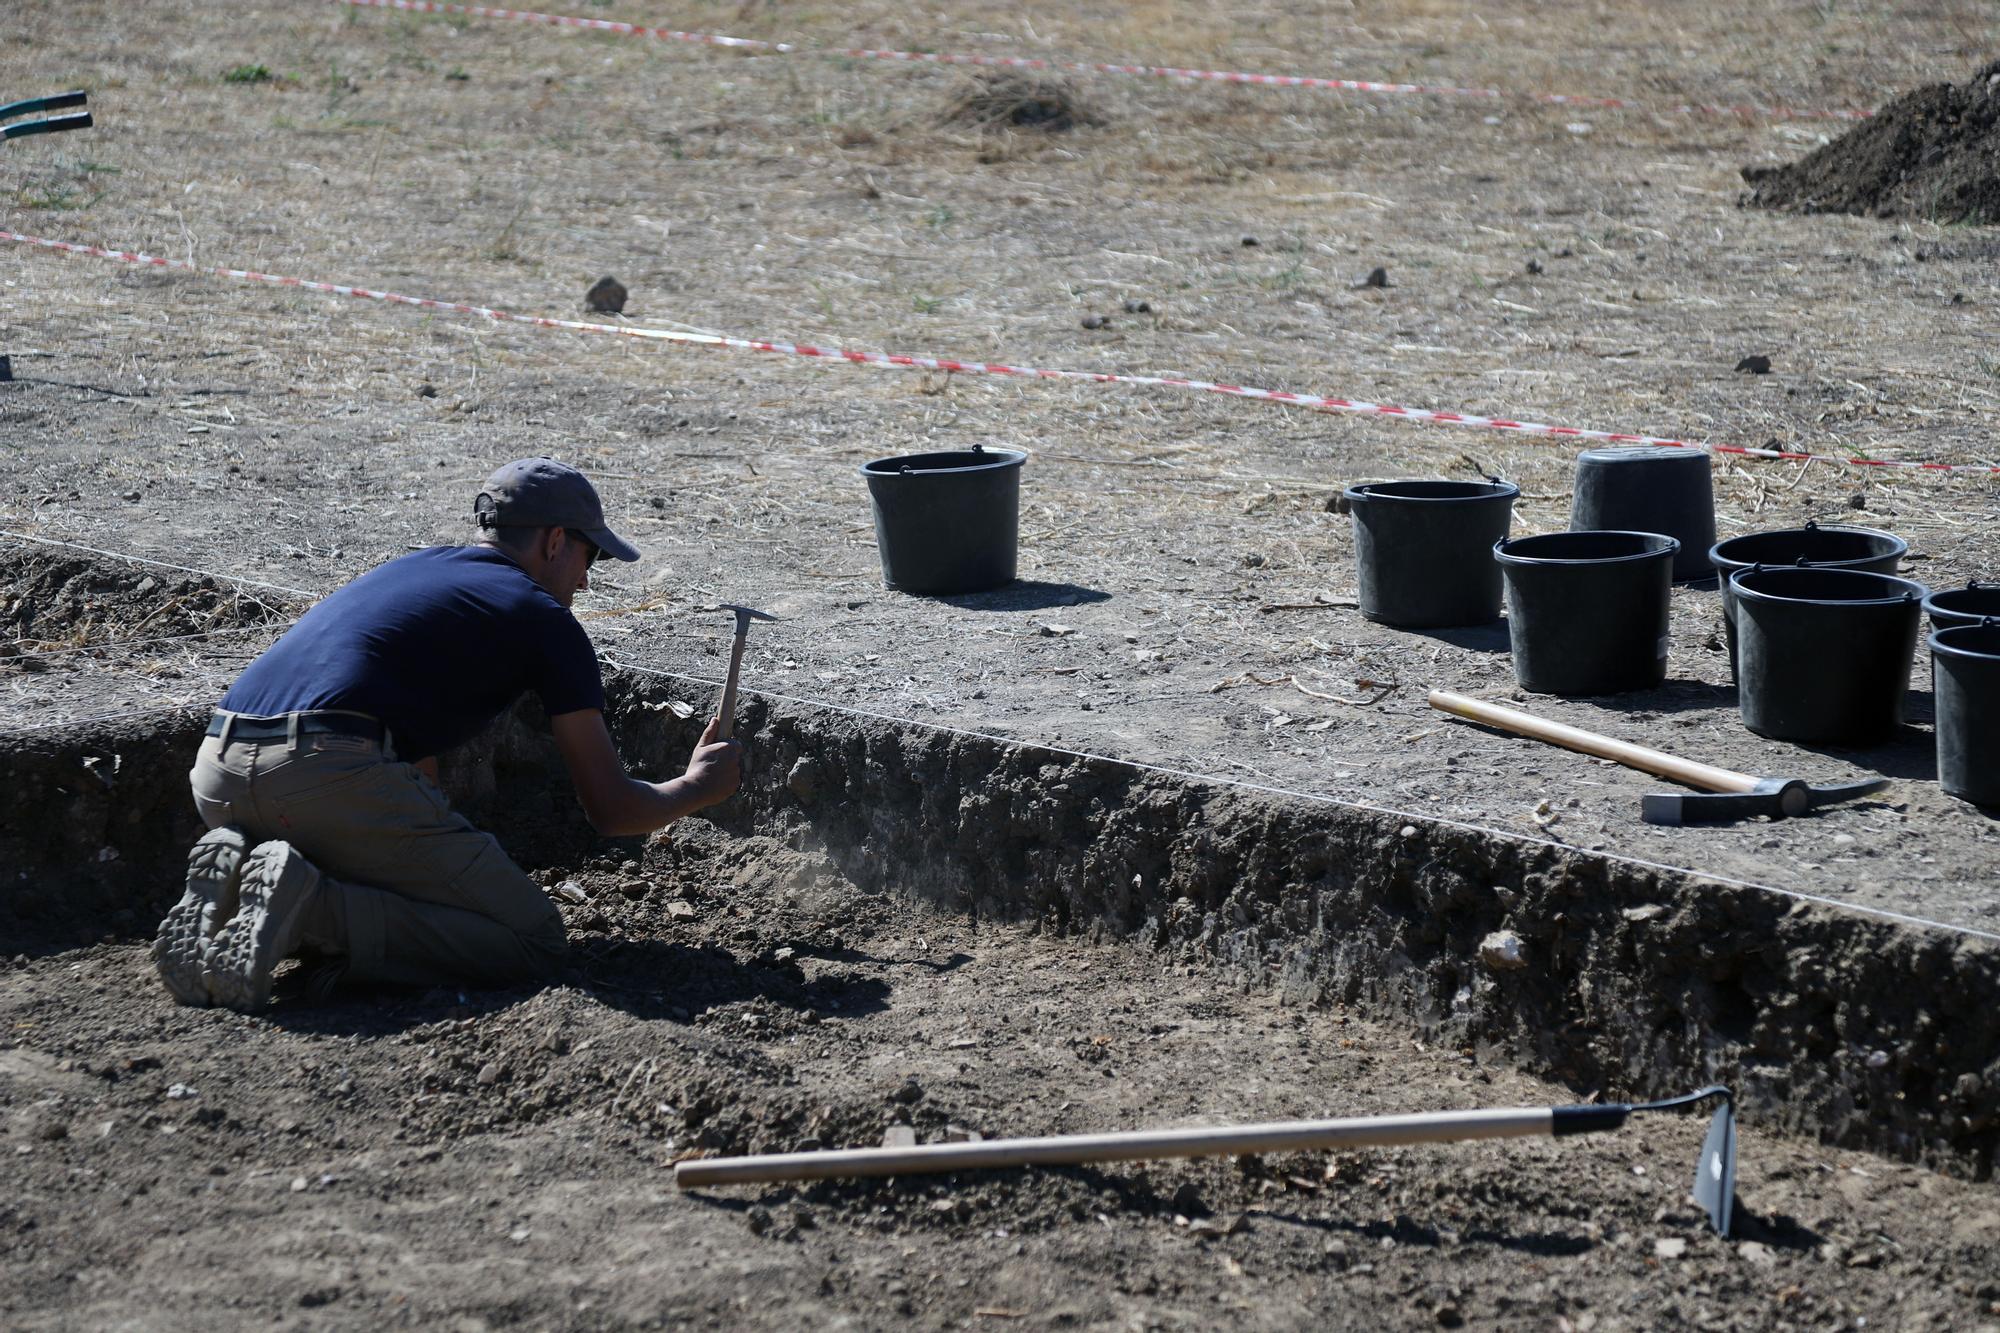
[[726, 715], [1705, 776]]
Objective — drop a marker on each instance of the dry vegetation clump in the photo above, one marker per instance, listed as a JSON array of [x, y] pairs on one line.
[[1932, 155], [1012, 100]]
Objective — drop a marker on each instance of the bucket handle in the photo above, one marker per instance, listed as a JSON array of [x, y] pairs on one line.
[[906, 470]]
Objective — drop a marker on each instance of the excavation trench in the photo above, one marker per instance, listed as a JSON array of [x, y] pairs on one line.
[[1612, 977]]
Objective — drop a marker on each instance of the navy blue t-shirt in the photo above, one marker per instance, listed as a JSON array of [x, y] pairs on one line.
[[435, 644]]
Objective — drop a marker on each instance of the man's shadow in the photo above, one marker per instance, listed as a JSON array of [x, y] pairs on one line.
[[649, 979]]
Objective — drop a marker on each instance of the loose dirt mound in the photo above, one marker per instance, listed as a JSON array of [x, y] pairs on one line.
[[65, 601], [1933, 154]]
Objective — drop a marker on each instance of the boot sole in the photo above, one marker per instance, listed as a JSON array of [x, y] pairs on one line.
[[277, 886], [215, 870]]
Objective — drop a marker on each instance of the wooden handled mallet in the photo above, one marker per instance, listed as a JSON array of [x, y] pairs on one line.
[[1724, 794], [727, 713]]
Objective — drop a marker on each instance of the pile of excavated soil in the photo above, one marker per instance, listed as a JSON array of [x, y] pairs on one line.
[[1933, 155], [50, 601]]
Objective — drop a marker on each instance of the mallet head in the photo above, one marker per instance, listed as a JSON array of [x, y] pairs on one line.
[[1777, 797], [744, 615]]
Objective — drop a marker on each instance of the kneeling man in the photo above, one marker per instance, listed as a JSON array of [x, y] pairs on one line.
[[328, 835]]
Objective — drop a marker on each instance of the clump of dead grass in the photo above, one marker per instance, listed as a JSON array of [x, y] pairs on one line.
[[1013, 100]]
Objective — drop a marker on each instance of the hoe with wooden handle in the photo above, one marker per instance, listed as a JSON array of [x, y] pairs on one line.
[[1714, 1176], [1725, 795], [727, 713]]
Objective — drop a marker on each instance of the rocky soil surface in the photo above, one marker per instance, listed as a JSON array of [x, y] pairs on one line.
[[503, 1159]]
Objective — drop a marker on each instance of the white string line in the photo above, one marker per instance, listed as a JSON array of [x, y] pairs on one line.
[[157, 564], [134, 643], [1320, 798], [1102, 67], [1214, 779], [118, 716], [1312, 401]]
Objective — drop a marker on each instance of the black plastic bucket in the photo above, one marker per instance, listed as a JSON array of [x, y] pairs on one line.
[[1963, 606], [1587, 611], [1825, 654], [948, 522], [1966, 663], [1831, 547], [1423, 550], [1649, 488]]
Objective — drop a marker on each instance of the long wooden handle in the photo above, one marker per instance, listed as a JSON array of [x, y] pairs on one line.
[[726, 715], [1131, 1146], [1705, 776]]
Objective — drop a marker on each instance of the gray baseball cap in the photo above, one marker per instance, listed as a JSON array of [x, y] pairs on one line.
[[542, 493]]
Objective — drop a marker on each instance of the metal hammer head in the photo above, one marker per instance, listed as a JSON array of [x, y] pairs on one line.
[[744, 615], [1776, 797]]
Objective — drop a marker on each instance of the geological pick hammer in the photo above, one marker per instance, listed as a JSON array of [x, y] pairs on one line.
[[1726, 795], [727, 713]]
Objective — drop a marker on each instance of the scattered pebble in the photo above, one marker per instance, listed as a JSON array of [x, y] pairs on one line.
[[1095, 322], [1502, 952], [1135, 306], [1377, 277], [181, 1092], [1669, 1247], [606, 296], [1754, 365]]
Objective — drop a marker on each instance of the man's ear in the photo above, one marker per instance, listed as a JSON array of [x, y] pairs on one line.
[[552, 540]]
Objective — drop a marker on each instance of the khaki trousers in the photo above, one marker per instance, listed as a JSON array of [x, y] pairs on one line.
[[414, 894]]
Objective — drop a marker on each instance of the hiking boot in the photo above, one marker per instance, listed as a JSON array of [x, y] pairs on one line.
[[215, 867], [278, 887]]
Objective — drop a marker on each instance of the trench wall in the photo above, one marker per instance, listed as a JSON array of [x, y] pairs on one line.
[[1629, 982]]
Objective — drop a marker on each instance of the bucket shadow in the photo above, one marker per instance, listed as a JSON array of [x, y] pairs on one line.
[[1025, 595], [1911, 755], [1489, 638]]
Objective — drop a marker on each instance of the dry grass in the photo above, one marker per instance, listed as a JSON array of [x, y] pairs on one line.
[[830, 201], [1011, 101]]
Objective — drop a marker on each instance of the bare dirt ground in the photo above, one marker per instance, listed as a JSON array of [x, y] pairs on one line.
[[502, 1159], [299, 438], [1559, 263]]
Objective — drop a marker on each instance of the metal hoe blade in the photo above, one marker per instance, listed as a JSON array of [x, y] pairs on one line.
[[1715, 1170]]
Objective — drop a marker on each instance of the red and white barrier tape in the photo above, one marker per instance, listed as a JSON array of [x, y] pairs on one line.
[[1320, 402], [1094, 67]]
